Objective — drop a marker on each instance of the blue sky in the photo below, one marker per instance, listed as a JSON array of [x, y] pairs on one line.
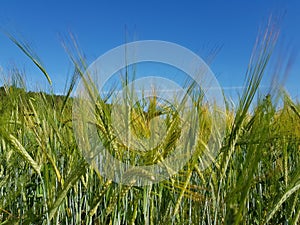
[[102, 25]]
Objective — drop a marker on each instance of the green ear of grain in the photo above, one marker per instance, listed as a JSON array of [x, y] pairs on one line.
[[75, 175], [183, 190], [282, 200], [31, 55], [22, 151]]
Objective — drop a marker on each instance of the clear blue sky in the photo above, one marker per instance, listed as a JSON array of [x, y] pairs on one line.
[[102, 25]]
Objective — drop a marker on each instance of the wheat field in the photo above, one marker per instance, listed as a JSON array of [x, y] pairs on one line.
[[255, 178]]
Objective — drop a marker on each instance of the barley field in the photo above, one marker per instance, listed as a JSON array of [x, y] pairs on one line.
[[255, 178]]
